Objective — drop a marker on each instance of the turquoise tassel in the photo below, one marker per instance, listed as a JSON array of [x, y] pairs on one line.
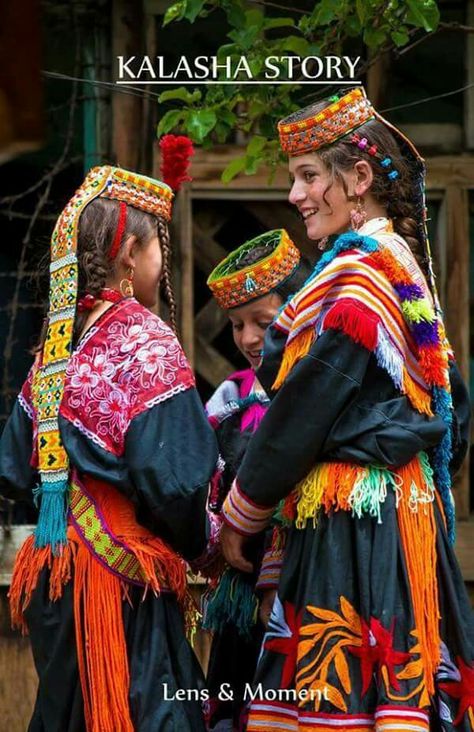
[[233, 601], [51, 529]]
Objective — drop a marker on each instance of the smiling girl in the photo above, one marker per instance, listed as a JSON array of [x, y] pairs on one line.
[[371, 607]]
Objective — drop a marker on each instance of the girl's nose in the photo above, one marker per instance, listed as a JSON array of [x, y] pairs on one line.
[[296, 194]]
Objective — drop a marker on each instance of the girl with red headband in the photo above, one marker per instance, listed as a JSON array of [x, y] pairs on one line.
[[111, 431]]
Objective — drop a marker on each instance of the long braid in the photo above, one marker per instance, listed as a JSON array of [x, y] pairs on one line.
[[166, 280]]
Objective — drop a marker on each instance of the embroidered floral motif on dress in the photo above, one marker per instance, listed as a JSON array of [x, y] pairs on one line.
[[125, 365]]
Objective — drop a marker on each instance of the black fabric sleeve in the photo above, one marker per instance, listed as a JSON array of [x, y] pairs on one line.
[[316, 393], [461, 418], [171, 453], [17, 477]]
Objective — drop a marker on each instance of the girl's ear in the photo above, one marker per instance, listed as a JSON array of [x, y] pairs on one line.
[[128, 252], [364, 177]]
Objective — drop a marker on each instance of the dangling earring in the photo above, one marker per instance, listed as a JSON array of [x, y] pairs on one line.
[[358, 215], [126, 285]]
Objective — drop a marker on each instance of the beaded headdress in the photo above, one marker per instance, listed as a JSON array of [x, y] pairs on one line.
[[233, 283], [143, 193]]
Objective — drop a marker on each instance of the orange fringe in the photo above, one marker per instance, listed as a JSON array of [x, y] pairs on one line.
[[29, 563], [434, 364], [337, 491], [98, 597], [420, 399], [294, 351], [101, 646], [418, 537], [394, 271], [160, 565]]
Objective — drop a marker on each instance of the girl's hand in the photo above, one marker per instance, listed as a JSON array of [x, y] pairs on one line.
[[266, 604], [232, 545]]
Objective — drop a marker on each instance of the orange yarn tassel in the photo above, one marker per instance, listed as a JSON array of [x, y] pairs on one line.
[[29, 562], [294, 351], [418, 537], [101, 646], [419, 398], [434, 364]]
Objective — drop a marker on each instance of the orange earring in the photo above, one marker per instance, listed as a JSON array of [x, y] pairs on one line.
[[126, 285]]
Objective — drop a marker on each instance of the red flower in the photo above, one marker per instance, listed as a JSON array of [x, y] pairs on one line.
[[283, 638], [176, 152], [462, 690], [377, 650]]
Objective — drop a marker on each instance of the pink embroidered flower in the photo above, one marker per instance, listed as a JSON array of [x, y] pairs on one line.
[[151, 357], [115, 408], [102, 366], [84, 378], [134, 337]]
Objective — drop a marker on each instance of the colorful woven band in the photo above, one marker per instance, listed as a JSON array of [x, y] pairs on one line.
[[301, 136], [233, 286], [48, 387]]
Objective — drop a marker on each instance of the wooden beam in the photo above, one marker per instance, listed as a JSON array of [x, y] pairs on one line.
[[210, 364], [21, 87], [457, 307], [207, 251], [127, 109], [210, 320], [186, 262], [207, 166]]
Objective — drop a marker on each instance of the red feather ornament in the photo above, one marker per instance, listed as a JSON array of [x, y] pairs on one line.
[[176, 153]]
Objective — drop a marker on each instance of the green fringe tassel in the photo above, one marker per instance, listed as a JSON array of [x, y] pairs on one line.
[[51, 529], [233, 601], [369, 493]]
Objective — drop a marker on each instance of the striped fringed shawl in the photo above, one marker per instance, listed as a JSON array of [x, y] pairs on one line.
[[360, 288]]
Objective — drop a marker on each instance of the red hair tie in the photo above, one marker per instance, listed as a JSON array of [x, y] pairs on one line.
[[120, 229]]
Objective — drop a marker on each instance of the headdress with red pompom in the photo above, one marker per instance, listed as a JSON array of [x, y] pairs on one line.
[[176, 152]]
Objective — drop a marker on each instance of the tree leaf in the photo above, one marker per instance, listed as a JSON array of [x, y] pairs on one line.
[[279, 23], [174, 12], [170, 120], [296, 44], [235, 167], [400, 37], [423, 14], [182, 94], [193, 8], [256, 145], [200, 123]]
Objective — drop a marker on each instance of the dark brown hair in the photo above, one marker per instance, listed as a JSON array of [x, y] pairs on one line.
[[97, 227]]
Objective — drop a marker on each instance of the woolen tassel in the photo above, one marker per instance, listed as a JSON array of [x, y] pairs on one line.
[[389, 358], [418, 538], [355, 320], [434, 365], [29, 563], [51, 529], [418, 310], [370, 492], [419, 398], [101, 646], [294, 351], [233, 601]]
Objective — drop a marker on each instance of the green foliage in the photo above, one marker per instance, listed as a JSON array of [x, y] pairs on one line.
[[214, 113]]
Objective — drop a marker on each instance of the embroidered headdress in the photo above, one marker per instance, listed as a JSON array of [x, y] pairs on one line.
[[139, 191], [233, 283]]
